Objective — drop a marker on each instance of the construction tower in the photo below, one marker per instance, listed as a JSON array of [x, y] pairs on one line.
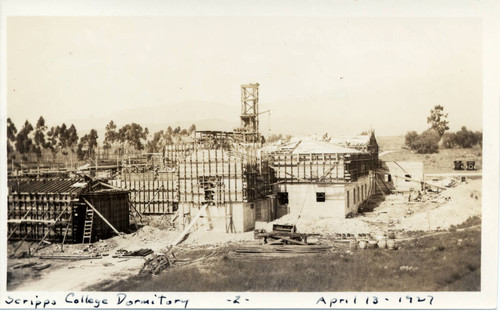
[[249, 112]]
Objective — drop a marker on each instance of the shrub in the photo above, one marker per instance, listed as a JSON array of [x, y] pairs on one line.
[[427, 142], [448, 140], [462, 139], [465, 138], [410, 139]]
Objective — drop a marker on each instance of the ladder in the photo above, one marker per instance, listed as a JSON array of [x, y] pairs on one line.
[[87, 227]]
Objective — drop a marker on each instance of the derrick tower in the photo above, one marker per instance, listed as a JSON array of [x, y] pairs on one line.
[[249, 112]]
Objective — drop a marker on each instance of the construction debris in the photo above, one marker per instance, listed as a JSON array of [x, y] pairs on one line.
[[156, 264], [283, 234], [302, 249], [41, 267], [72, 257], [141, 252], [24, 265]]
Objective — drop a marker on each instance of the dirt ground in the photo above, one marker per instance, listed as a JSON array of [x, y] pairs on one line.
[[393, 213]]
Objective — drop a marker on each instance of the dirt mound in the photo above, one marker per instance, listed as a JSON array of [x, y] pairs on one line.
[[198, 238], [465, 202], [149, 236], [396, 213]]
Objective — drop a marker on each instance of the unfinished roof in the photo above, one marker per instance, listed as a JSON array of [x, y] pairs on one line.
[[309, 146], [351, 141], [49, 186], [316, 146]]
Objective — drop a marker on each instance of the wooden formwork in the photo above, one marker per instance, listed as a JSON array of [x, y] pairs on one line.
[[150, 193], [320, 167], [55, 210], [31, 216], [212, 175], [113, 205]]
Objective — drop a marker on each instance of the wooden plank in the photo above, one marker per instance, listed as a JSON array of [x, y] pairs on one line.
[[191, 224], [290, 240]]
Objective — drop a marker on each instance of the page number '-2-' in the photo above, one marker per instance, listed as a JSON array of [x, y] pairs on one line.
[[237, 300]]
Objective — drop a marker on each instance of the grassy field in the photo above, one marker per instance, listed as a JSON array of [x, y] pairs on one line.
[[441, 162], [444, 262]]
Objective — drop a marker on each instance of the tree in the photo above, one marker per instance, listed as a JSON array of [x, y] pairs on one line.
[[87, 146], [465, 138], [192, 129], [427, 142], [448, 140], [92, 141], [111, 135], [410, 139], [437, 120], [24, 143], [479, 138], [133, 134], [157, 143], [462, 139], [40, 143], [63, 135], [72, 138], [52, 138], [11, 138]]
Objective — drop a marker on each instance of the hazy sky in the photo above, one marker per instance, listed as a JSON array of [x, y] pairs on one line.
[[386, 73]]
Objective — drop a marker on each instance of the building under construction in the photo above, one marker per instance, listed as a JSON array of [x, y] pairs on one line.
[[65, 210], [238, 181], [227, 180]]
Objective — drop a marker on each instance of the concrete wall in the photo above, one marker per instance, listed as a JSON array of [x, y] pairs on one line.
[[399, 170], [302, 199], [243, 216], [340, 199], [356, 193], [213, 218]]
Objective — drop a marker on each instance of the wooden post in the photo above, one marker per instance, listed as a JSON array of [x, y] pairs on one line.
[[48, 230]]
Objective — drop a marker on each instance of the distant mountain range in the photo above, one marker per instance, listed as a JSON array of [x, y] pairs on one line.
[[205, 115], [347, 110], [297, 117]]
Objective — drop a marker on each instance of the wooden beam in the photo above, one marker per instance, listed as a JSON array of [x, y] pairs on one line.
[[193, 221], [49, 228], [110, 186]]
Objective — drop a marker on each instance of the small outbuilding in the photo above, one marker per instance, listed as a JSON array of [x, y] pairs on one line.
[[65, 210], [405, 175]]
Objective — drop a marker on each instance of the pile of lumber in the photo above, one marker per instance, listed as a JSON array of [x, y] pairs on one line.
[[302, 249], [71, 257], [38, 266], [143, 252], [284, 234]]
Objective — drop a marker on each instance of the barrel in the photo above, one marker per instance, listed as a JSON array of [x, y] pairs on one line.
[[372, 244], [362, 244], [382, 243]]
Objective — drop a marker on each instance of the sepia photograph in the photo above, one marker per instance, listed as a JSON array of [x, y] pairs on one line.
[[246, 153]]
